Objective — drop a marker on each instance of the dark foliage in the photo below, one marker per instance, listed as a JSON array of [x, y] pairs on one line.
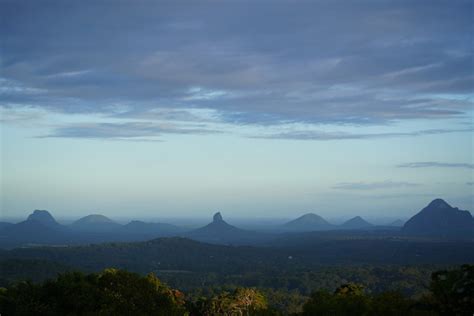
[[112, 292], [118, 292]]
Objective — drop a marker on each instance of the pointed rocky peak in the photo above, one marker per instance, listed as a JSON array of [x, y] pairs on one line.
[[217, 218], [43, 217], [441, 219], [218, 231]]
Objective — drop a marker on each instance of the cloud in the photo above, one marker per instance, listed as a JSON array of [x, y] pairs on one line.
[[136, 131], [20, 116], [469, 183], [326, 136], [311, 62], [432, 164], [373, 185], [170, 114]]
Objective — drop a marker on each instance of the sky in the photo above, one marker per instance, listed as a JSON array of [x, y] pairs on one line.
[[253, 108]]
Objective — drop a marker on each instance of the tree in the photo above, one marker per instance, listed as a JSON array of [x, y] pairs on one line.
[[348, 299], [453, 291], [242, 302], [112, 292]]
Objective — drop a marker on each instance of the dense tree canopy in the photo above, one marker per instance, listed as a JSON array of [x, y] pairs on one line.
[[452, 293], [118, 292]]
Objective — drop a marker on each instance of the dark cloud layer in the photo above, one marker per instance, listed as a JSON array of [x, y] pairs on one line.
[[363, 62]]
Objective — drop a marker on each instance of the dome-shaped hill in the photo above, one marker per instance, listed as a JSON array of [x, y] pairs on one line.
[[43, 217], [308, 222], [96, 223]]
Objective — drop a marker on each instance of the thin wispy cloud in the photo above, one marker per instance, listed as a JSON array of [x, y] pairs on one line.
[[433, 164], [20, 116], [362, 186], [326, 136], [143, 131]]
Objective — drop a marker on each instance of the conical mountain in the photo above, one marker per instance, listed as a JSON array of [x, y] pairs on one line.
[[218, 226], [441, 220], [308, 222], [219, 231], [43, 217], [356, 223]]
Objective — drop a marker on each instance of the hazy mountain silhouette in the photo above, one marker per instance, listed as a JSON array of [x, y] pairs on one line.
[[40, 227], [95, 223], [356, 223], [397, 223], [439, 219], [220, 232], [151, 229], [308, 222], [5, 224], [43, 217]]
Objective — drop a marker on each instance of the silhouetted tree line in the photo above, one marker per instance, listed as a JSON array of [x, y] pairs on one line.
[[119, 292]]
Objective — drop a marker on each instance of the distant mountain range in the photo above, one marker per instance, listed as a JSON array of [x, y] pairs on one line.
[[437, 220], [313, 222], [40, 228]]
